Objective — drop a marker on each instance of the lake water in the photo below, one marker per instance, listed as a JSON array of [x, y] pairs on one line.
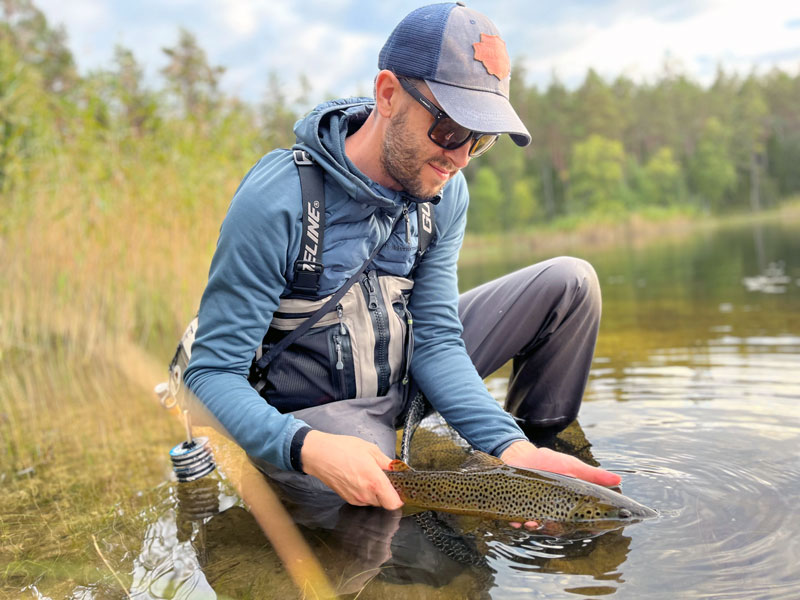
[[694, 398]]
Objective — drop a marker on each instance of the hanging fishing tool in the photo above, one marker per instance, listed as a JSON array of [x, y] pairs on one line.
[[191, 459]]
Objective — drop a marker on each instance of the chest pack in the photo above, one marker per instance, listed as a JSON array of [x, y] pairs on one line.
[[354, 343]]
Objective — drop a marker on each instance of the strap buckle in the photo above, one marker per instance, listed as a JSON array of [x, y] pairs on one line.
[[307, 275], [302, 158]]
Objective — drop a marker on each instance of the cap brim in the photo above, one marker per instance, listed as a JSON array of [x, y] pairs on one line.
[[480, 111]]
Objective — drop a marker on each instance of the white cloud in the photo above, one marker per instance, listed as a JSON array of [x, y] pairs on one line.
[[734, 35], [335, 43], [79, 15]]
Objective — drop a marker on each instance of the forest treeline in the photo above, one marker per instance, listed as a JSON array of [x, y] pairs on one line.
[[604, 149]]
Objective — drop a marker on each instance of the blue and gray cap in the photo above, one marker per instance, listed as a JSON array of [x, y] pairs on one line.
[[458, 52]]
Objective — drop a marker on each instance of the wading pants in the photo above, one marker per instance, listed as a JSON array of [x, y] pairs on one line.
[[544, 318]]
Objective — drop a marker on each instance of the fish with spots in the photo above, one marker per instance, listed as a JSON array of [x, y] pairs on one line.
[[487, 487]]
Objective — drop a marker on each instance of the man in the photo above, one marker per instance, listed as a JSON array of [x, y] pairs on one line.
[[443, 83]]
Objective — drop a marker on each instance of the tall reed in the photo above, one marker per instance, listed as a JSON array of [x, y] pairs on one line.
[[105, 241]]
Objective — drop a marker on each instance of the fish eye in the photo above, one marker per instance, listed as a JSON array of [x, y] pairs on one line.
[[624, 513]]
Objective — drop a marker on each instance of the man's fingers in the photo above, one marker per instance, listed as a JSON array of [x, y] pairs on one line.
[[529, 525], [524, 454], [387, 497], [596, 475]]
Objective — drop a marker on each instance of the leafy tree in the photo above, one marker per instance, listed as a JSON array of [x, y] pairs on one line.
[[664, 178], [597, 180], [519, 203], [596, 109], [139, 106], [711, 170], [556, 119], [524, 207], [194, 82], [750, 134], [38, 44], [486, 201], [784, 153]]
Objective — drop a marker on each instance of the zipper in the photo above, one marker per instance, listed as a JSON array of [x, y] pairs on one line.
[[409, 341], [341, 345], [408, 223], [380, 326]]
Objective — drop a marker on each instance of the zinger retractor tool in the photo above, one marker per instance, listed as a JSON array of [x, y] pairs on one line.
[[193, 458]]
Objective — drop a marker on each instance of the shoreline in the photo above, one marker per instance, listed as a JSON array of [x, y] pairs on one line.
[[635, 230]]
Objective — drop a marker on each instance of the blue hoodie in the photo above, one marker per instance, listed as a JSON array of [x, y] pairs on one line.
[[253, 265]]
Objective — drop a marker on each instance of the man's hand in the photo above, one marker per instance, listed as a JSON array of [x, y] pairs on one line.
[[351, 467], [525, 454]]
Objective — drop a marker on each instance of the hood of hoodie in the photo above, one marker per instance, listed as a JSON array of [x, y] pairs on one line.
[[322, 133]]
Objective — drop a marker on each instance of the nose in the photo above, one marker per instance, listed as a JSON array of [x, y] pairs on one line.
[[459, 156]]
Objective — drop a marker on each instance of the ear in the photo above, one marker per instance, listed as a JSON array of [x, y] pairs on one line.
[[388, 93]]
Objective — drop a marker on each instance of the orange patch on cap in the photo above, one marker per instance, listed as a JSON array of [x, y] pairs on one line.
[[491, 51]]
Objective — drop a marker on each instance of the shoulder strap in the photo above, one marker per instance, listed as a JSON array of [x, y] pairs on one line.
[[425, 230], [308, 266], [424, 225]]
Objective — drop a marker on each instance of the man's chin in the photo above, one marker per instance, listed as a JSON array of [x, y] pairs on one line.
[[432, 191]]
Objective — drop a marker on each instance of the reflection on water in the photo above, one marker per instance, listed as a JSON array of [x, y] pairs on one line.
[[193, 551], [694, 398]]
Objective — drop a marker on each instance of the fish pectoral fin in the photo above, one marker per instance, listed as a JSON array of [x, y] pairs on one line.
[[480, 460], [397, 466]]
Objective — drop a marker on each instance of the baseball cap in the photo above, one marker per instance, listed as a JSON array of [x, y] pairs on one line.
[[459, 53]]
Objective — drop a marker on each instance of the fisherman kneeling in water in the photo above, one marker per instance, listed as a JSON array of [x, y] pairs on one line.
[[384, 224]]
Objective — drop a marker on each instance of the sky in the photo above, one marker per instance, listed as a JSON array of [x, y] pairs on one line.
[[335, 43]]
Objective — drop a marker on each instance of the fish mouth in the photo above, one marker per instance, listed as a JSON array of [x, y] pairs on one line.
[[637, 512]]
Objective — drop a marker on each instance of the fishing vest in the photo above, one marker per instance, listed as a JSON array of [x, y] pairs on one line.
[[354, 343]]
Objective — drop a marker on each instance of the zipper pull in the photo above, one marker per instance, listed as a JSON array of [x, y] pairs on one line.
[[409, 341], [408, 224], [373, 297], [340, 313], [338, 344]]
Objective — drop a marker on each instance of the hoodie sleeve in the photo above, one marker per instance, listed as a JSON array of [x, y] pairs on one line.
[[245, 281], [441, 365]]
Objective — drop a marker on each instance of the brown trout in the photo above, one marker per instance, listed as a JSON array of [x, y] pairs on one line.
[[487, 487]]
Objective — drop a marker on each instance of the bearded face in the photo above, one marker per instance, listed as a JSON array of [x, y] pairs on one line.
[[412, 160]]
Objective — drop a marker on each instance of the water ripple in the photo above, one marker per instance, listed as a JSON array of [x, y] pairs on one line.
[[727, 506]]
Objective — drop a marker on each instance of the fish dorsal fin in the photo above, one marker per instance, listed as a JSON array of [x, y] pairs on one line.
[[397, 466], [480, 460]]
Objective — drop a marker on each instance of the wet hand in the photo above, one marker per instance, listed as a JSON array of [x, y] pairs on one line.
[[351, 467], [524, 454]]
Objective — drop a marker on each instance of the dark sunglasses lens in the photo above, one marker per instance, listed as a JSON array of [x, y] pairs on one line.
[[482, 143], [449, 134]]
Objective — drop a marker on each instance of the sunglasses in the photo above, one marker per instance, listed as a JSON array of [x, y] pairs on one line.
[[445, 132]]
